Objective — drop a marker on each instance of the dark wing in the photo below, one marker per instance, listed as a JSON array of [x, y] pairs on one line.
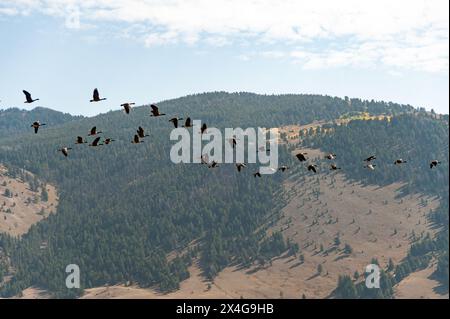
[[188, 122], [136, 139], [93, 130], [79, 139], [36, 129], [154, 108], [95, 142], [96, 96], [175, 122], [27, 95], [301, 157]]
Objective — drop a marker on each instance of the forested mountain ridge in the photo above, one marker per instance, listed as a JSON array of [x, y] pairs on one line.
[[123, 207], [18, 121]]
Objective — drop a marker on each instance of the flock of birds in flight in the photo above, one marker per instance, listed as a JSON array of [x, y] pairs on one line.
[[138, 138]]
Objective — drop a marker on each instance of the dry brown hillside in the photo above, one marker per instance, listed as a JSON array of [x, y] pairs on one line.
[[23, 207]]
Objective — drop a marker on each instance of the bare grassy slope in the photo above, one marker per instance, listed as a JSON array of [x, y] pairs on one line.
[[420, 285], [24, 208]]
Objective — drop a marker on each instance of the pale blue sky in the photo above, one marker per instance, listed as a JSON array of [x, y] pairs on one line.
[[144, 51]]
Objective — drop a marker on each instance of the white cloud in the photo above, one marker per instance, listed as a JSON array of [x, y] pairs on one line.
[[8, 11], [410, 34]]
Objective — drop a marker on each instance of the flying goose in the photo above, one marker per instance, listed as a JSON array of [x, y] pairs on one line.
[[28, 97], [434, 163], [213, 164], [312, 167], [203, 128], [240, 166], [257, 174], [108, 141], [136, 140], [301, 156], [96, 96], [36, 125], [370, 158], [94, 132], [127, 107], [399, 161], [141, 132], [155, 111], [175, 120], [188, 122], [96, 142], [331, 156], [333, 167], [65, 150], [80, 140], [283, 168], [370, 166]]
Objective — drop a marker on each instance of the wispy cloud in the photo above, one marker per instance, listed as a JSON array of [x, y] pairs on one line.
[[410, 34]]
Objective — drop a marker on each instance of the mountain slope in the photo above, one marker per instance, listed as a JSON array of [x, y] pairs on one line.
[[16, 121], [123, 207]]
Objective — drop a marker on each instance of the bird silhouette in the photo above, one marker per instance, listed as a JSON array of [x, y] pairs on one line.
[[400, 161], [96, 143], [141, 132], [28, 97], [36, 125], [96, 96], [213, 164], [155, 111], [80, 140], [94, 132], [136, 140], [175, 120], [108, 141], [203, 128], [65, 150], [370, 158], [188, 123], [313, 168], [301, 157], [127, 107], [434, 163]]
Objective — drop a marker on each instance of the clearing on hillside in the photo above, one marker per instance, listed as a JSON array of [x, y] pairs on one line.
[[20, 206]]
